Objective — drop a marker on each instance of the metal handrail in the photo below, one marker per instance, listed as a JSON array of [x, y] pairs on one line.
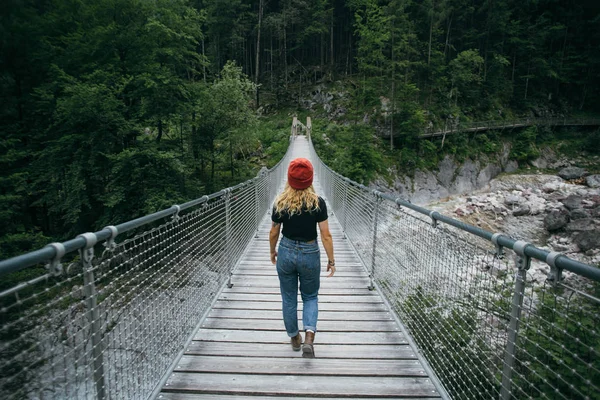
[[75, 331], [488, 327]]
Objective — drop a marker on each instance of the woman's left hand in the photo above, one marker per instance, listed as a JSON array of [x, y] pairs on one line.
[[332, 269], [274, 257]]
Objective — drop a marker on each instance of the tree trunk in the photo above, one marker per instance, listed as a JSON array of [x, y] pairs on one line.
[[331, 60], [203, 61], [271, 61], [285, 64], [562, 58], [512, 78], [527, 81], [447, 36], [160, 131], [231, 155], [430, 33], [393, 87], [257, 69]]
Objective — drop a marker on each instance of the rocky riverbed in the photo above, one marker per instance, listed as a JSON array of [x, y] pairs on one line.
[[555, 212]]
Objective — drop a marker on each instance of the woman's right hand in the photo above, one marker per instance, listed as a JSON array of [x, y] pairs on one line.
[[274, 257]]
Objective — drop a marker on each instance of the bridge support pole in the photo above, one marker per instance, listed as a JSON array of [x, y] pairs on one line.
[[256, 209], [93, 315], [523, 262], [345, 208], [374, 245], [228, 235]]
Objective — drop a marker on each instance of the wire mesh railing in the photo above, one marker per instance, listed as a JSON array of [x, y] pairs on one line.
[[107, 314], [486, 324]]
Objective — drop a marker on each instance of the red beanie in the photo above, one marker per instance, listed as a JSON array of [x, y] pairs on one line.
[[300, 173]]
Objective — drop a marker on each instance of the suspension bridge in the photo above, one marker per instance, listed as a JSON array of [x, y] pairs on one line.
[[184, 304]]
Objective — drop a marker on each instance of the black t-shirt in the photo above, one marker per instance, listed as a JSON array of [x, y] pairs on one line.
[[301, 226]]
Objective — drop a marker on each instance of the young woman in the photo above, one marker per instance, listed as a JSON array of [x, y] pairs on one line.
[[299, 209]]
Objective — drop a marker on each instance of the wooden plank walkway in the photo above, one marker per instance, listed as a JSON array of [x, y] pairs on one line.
[[242, 350]]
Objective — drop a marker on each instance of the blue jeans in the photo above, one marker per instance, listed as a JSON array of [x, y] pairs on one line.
[[299, 261]]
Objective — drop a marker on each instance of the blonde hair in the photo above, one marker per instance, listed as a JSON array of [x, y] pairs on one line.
[[293, 201]]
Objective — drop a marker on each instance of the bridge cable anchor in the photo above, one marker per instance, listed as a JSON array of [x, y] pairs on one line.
[[523, 261], [555, 274], [434, 220], [88, 250], [54, 266], [176, 216], [110, 242], [499, 248]]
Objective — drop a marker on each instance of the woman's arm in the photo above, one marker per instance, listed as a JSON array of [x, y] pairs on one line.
[[273, 237], [327, 241]]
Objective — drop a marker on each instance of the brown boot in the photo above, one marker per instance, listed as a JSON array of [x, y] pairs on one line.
[[297, 342], [308, 350]]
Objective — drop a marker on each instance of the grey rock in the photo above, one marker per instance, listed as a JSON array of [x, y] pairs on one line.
[[523, 210], [466, 180], [585, 224], [595, 212], [487, 174], [511, 166], [572, 202], [593, 181], [447, 167], [555, 220], [77, 292], [578, 213], [587, 240], [541, 163], [512, 200], [571, 173]]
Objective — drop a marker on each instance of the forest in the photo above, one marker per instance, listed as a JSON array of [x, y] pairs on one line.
[[112, 109]]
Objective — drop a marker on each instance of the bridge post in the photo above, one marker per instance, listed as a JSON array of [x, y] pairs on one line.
[[374, 244], [345, 208], [228, 235], [256, 209], [93, 315], [522, 262]]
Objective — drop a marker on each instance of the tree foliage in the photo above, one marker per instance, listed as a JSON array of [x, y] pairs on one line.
[[95, 89]]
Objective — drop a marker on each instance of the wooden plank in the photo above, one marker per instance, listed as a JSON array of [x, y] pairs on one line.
[[267, 266], [338, 351], [258, 305], [197, 396], [277, 298], [324, 291], [322, 326], [300, 366], [323, 315], [252, 336], [268, 385], [243, 271], [336, 281]]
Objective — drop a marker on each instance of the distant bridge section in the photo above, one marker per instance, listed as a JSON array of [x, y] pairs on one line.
[[481, 126]]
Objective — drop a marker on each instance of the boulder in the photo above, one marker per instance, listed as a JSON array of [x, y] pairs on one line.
[[579, 213], [595, 213], [572, 202], [593, 181], [587, 240], [522, 210], [512, 199], [585, 224], [555, 220], [571, 173]]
